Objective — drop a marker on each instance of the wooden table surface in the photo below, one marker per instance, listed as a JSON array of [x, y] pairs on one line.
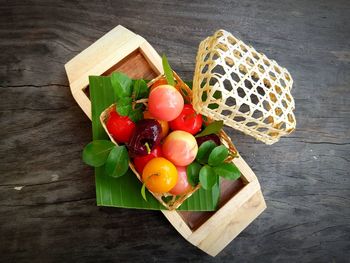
[[48, 210]]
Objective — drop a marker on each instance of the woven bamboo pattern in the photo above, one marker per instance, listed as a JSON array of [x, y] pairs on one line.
[[173, 202], [249, 92]]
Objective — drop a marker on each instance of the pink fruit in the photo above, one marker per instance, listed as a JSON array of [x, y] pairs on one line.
[[165, 103], [180, 148], [182, 186]]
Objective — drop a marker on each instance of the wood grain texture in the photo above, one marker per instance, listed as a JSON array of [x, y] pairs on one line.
[[304, 177]]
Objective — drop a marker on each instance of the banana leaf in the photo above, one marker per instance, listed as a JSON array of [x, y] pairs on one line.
[[125, 191]]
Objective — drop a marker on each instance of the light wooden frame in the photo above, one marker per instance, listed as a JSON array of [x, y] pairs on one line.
[[233, 216]]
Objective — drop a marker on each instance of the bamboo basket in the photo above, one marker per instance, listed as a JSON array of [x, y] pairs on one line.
[[186, 92], [249, 92], [241, 201]]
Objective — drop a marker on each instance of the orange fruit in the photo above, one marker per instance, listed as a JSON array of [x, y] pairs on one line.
[[163, 124], [159, 175]]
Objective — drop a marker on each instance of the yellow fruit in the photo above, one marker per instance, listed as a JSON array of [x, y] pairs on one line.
[[159, 175]]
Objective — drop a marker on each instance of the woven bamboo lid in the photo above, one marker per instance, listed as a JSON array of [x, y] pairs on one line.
[[249, 92]]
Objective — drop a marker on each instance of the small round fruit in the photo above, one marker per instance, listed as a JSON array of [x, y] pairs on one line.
[[163, 124], [120, 127], [180, 148], [159, 175], [165, 103], [145, 137], [182, 186], [141, 161], [188, 120]]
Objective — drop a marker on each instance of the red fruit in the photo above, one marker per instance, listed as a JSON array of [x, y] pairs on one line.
[[145, 137], [141, 161], [188, 120], [165, 103], [120, 127], [180, 148], [182, 186]]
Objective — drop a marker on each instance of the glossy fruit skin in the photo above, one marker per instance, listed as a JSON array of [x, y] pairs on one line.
[[180, 148], [182, 186], [120, 127], [159, 175], [141, 161], [163, 124], [188, 120], [165, 103], [146, 131], [210, 137]]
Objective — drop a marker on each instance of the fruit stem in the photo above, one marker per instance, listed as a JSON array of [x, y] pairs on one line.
[[143, 101], [148, 148]]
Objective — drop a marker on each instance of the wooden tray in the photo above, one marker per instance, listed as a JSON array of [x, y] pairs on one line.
[[241, 201]]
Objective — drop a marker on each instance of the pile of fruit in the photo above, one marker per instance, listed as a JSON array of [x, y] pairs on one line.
[[172, 147]]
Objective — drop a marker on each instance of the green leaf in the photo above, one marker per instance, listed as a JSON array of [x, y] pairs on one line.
[[228, 171], [167, 199], [216, 192], [122, 84], [124, 106], [204, 151], [136, 115], [117, 162], [217, 95], [189, 84], [140, 90], [218, 155], [193, 173], [143, 191], [213, 106], [96, 152], [168, 71], [213, 127], [207, 177]]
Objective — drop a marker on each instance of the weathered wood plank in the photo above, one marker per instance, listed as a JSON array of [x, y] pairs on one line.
[[304, 178]]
